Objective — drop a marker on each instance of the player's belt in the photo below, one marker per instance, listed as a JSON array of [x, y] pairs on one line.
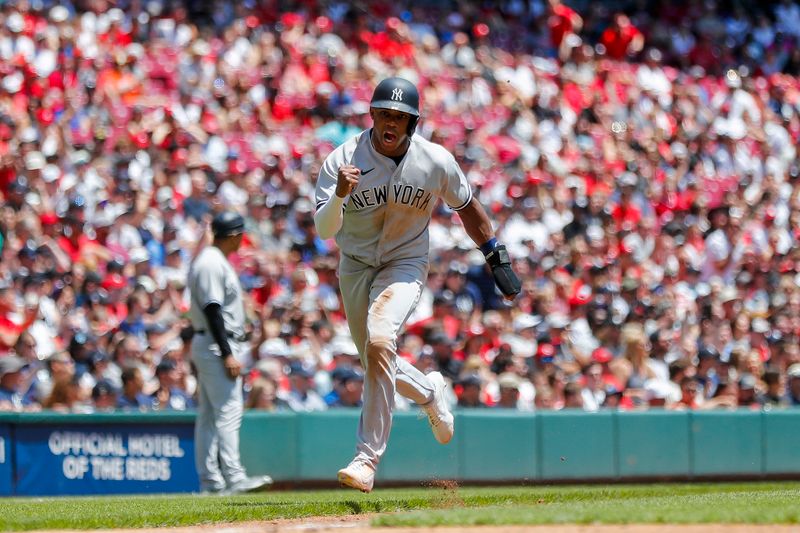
[[238, 338]]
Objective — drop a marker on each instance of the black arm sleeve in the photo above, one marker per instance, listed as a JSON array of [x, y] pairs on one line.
[[216, 326]]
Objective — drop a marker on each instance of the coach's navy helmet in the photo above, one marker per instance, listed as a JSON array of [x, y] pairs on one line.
[[227, 223], [397, 94]]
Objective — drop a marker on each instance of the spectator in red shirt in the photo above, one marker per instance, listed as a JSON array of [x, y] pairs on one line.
[[10, 330], [626, 213], [394, 42], [689, 388], [73, 240], [562, 21], [622, 38]]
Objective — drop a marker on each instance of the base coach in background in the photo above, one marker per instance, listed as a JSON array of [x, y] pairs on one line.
[[218, 318]]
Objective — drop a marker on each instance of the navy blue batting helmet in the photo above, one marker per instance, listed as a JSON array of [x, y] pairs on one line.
[[398, 94], [227, 223]]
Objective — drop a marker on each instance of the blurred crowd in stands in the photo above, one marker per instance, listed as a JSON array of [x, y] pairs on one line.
[[639, 159]]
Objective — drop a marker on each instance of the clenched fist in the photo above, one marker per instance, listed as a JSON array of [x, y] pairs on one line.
[[347, 179]]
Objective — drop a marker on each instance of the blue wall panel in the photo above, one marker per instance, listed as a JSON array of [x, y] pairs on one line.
[[726, 443], [6, 469], [576, 445], [498, 446], [653, 443]]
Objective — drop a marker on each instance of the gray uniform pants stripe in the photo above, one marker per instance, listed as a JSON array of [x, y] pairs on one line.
[[377, 303], [219, 417]]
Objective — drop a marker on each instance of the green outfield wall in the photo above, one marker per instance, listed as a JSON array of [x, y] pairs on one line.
[[55, 454], [551, 446]]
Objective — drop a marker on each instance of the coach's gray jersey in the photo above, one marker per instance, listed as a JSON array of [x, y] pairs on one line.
[[386, 216], [212, 279]]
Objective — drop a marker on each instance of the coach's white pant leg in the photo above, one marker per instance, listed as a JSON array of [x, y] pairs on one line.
[[225, 398], [229, 421], [205, 445]]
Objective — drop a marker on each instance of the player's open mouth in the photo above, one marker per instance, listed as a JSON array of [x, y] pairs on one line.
[[389, 137]]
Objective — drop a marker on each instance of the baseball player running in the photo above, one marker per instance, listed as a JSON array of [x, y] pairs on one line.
[[375, 194], [217, 314]]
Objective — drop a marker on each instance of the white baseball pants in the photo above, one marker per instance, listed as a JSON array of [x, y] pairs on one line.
[[219, 417], [377, 302]]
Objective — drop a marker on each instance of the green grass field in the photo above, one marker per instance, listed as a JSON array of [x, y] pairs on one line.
[[777, 503]]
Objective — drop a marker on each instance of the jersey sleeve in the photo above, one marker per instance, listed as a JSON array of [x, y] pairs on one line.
[[457, 192], [326, 181], [209, 285]]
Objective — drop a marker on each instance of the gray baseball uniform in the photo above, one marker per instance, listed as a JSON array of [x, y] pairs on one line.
[[384, 263], [212, 279]]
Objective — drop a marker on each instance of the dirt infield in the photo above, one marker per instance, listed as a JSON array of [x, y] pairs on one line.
[[360, 524]]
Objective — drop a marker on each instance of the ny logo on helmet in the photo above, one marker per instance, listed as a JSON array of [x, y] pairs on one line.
[[397, 94]]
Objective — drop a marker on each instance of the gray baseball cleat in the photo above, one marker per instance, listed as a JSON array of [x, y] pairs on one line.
[[212, 491], [249, 484]]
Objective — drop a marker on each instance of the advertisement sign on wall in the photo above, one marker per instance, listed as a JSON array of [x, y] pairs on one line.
[[104, 459]]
